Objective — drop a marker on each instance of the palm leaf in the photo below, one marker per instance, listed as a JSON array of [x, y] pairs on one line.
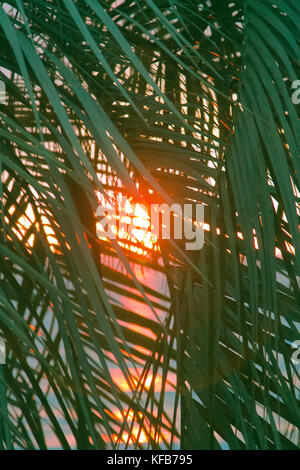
[[192, 101]]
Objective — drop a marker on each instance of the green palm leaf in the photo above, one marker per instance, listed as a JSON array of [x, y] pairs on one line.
[[191, 100]]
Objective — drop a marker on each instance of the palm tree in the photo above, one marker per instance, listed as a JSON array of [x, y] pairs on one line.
[[185, 101]]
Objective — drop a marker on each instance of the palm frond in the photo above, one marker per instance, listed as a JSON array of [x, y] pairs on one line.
[[192, 101]]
